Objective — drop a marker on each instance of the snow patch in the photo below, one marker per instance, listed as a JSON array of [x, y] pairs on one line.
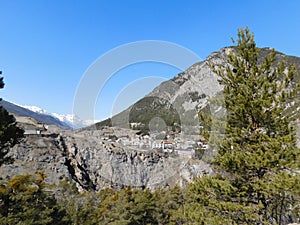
[[73, 121], [35, 109]]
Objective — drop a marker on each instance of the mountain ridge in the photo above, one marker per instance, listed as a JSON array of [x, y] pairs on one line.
[[189, 92], [66, 121], [40, 117]]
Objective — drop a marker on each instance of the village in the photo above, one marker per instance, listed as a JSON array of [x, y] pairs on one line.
[[175, 143], [187, 146]]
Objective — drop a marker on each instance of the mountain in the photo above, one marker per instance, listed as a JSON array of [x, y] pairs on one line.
[[35, 109], [35, 113], [99, 158], [66, 121], [179, 100], [73, 121]]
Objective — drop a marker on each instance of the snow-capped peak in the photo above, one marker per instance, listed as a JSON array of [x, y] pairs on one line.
[[35, 109], [74, 121], [71, 120]]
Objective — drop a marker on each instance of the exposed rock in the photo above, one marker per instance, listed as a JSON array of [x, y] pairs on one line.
[[94, 164]]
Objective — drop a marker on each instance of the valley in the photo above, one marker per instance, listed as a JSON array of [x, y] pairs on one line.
[[154, 143]]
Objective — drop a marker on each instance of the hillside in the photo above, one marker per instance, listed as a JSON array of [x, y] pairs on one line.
[[179, 100], [40, 117]]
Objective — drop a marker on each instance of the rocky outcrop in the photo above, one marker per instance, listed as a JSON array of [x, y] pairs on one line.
[[36, 153], [93, 164], [110, 165]]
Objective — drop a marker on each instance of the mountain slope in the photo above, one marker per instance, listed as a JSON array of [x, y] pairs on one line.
[[180, 99], [70, 120], [39, 116]]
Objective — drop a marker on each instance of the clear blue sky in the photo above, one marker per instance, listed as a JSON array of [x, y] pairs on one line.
[[46, 46]]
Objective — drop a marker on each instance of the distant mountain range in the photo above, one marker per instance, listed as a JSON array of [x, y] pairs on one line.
[[64, 121]]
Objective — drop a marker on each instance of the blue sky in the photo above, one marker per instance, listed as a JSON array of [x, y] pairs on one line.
[[46, 46]]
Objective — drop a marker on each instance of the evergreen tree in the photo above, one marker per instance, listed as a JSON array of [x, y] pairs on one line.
[[257, 166], [23, 200], [130, 207], [10, 134]]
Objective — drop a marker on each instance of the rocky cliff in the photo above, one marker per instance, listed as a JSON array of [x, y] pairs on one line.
[[92, 163]]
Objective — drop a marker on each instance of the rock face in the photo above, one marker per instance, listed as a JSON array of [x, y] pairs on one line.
[[91, 163], [37, 153], [108, 164]]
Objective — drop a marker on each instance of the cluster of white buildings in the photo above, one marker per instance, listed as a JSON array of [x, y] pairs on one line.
[[184, 146]]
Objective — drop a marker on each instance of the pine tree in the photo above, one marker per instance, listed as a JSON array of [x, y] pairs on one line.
[[257, 166], [10, 134], [23, 200]]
